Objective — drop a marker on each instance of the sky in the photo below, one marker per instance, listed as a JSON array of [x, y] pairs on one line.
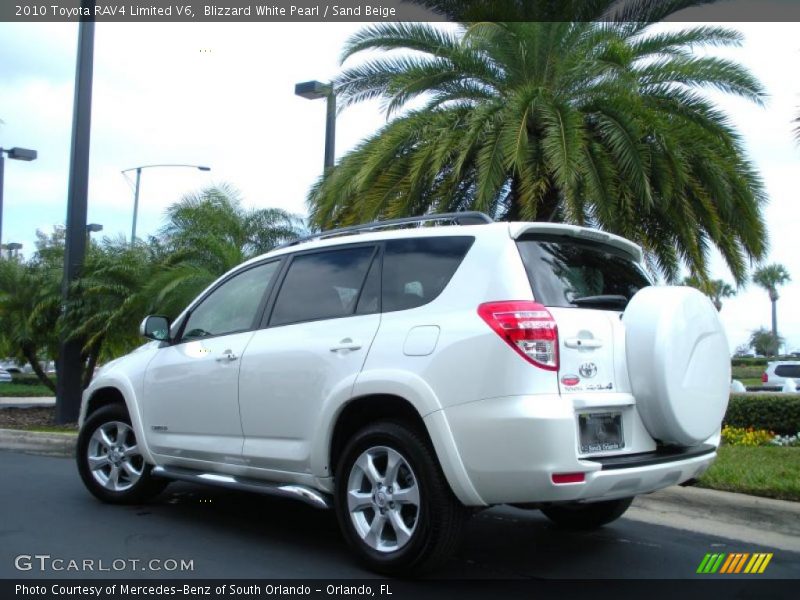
[[222, 95]]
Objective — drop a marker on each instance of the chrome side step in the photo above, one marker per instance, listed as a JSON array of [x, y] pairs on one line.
[[288, 490]]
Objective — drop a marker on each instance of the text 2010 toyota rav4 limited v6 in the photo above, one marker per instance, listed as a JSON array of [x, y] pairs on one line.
[[406, 376]]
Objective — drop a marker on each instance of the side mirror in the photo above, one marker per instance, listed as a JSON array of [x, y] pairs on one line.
[[155, 327]]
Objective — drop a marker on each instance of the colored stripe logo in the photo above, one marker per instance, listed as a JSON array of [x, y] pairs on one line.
[[733, 563]]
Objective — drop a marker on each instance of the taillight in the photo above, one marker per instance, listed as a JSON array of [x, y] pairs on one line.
[[528, 327], [764, 377]]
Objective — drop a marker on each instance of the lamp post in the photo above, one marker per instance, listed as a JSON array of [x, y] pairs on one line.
[[314, 90], [13, 249], [15, 154], [136, 189], [92, 228]]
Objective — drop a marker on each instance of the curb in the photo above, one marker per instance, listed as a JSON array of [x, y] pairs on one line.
[[39, 442], [753, 519]]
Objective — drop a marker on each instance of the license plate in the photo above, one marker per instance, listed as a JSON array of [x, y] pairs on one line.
[[600, 432]]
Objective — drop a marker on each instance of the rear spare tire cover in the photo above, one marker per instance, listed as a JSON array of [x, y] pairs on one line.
[[678, 363]]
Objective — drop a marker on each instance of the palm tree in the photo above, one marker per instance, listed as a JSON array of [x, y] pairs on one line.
[[28, 318], [209, 233], [770, 277], [765, 342], [715, 289], [597, 123]]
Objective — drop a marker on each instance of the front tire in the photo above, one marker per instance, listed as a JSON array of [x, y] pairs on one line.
[[109, 461], [587, 516], [394, 506]]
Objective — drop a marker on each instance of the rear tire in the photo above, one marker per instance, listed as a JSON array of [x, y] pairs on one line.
[[394, 506], [109, 461], [587, 516]]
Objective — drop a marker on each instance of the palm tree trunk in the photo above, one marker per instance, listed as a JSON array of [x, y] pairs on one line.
[[32, 358], [775, 324]]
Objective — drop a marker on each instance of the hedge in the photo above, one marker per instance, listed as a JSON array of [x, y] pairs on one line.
[[759, 362], [747, 372], [779, 413]]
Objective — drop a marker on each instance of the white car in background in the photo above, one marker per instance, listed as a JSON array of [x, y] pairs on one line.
[[406, 376], [5, 376], [779, 371]]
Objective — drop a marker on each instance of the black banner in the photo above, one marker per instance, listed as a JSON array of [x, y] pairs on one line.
[[148, 589], [394, 10]]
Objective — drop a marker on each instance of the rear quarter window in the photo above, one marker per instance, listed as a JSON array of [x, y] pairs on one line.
[[416, 270], [561, 270], [792, 371]]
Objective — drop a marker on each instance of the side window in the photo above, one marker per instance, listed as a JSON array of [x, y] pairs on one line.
[[232, 306], [323, 285], [416, 270]]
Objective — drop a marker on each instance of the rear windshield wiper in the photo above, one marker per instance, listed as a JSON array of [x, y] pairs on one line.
[[611, 301]]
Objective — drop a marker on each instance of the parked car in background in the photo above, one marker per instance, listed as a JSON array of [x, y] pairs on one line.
[[779, 371], [5, 376]]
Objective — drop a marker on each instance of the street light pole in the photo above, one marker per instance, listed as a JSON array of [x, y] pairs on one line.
[[138, 184], [315, 90], [16, 154], [69, 384], [136, 205], [330, 130]]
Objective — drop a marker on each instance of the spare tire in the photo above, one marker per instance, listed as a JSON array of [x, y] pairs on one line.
[[678, 363]]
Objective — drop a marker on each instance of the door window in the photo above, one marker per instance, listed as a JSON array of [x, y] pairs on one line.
[[233, 306], [322, 285]]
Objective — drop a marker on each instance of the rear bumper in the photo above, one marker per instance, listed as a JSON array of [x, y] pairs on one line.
[[510, 448]]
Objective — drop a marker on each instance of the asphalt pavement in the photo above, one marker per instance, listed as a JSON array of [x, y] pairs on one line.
[[44, 510]]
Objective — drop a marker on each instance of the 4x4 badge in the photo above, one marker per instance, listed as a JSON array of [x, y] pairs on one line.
[[588, 370]]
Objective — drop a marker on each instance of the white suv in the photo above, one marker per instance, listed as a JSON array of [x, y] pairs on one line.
[[778, 372], [406, 375]]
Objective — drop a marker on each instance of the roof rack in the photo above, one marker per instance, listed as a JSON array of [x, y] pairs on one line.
[[458, 218]]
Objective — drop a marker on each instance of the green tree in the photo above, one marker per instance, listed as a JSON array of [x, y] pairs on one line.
[[770, 277], [209, 233], [716, 289], [764, 342], [598, 123], [28, 331]]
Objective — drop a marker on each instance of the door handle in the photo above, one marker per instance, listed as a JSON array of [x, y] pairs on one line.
[[583, 343], [227, 356], [346, 344]]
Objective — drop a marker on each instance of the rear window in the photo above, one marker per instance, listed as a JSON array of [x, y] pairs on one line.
[[416, 270], [561, 271], [792, 371]]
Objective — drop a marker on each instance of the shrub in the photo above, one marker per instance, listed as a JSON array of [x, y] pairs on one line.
[[747, 372], [772, 412], [740, 436]]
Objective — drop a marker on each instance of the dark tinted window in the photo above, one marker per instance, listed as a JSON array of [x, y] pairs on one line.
[[323, 285], [232, 306], [416, 270], [561, 270], [792, 371]]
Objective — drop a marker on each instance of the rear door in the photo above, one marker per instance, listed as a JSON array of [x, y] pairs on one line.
[[585, 285], [321, 326]]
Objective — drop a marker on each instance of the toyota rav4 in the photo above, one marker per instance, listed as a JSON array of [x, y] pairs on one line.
[[409, 372]]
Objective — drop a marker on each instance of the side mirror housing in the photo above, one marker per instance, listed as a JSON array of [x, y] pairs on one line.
[[155, 327]]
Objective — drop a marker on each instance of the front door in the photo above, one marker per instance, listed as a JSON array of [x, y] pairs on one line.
[[191, 390]]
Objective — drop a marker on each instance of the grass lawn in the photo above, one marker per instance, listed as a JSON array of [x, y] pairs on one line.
[[19, 390], [769, 471], [749, 382]]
